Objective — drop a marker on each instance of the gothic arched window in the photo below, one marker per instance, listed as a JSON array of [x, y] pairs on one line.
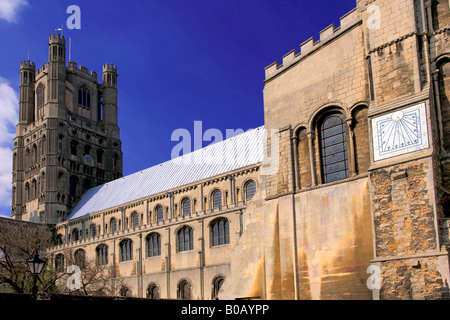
[[333, 147], [93, 230], [79, 257], [217, 199], [217, 284], [74, 148], [159, 213], [100, 153], [250, 190], [40, 94], [84, 96], [186, 206], [126, 250], [113, 224], [185, 238], [59, 262], [153, 245], [102, 254], [153, 291], [220, 232], [75, 234], [73, 186], [135, 220], [184, 290]]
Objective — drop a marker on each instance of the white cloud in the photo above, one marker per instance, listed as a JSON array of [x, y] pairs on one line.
[[9, 105], [9, 9]]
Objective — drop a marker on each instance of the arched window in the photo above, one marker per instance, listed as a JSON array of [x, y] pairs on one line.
[[217, 199], [93, 230], [35, 153], [152, 291], [250, 190], [73, 186], [59, 240], [186, 206], [87, 149], [27, 157], [184, 290], [217, 284], [185, 237], [333, 148], [60, 181], [100, 153], [102, 254], [34, 190], [59, 262], [125, 292], [60, 143], [42, 181], [134, 220], [220, 232], [79, 257], [116, 159], [153, 245], [126, 250], [27, 192], [73, 147], [159, 213], [40, 94], [113, 224], [75, 234], [84, 96]]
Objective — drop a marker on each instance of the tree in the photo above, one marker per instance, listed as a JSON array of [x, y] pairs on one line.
[[93, 279], [18, 243]]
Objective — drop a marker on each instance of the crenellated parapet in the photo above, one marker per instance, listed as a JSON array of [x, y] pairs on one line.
[[74, 67], [109, 67], [309, 46], [57, 39], [27, 64], [41, 69]]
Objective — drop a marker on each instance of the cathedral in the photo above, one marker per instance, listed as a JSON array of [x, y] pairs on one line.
[[341, 194]]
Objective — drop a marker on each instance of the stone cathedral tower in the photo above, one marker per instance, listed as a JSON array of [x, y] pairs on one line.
[[67, 139]]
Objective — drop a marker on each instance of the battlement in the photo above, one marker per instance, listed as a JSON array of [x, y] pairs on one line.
[[27, 64], [310, 45], [41, 69], [109, 67], [57, 39], [74, 66]]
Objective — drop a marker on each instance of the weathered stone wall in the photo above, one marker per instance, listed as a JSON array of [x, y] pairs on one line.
[[404, 217], [334, 241], [415, 279]]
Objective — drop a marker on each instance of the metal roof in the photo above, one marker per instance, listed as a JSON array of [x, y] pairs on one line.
[[237, 152]]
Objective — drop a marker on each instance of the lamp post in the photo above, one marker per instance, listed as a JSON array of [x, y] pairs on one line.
[[36, 265]]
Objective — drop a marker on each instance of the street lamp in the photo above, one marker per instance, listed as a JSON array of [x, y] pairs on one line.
[[36, 265]]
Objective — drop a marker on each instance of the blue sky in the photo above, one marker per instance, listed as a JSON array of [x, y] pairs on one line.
[[178, 61]]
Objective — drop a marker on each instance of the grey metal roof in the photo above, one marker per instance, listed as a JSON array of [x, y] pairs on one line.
[[237, 152]]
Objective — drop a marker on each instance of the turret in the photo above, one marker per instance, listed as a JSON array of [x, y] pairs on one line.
[[26, 103], [57, 48], [109, 94], [57, 69]]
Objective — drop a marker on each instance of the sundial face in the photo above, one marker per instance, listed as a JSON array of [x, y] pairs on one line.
[[400, 132]]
